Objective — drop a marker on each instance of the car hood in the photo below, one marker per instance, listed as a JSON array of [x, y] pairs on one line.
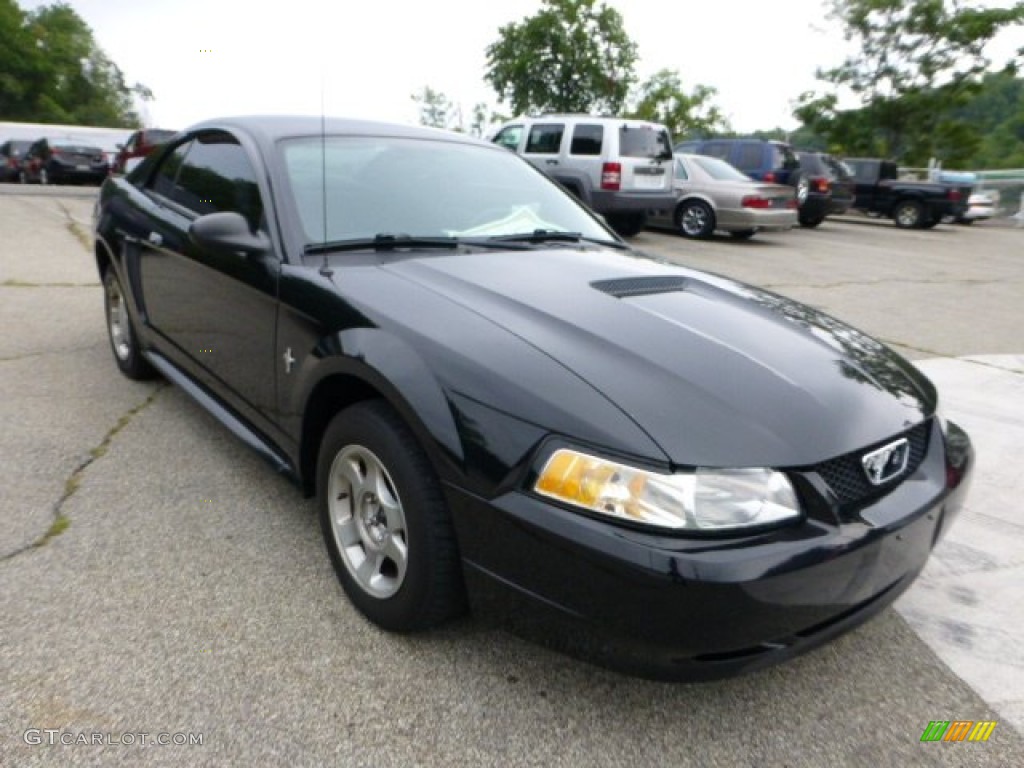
[[716, 372]]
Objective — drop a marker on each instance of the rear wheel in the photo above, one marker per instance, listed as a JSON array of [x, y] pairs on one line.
[[695, 219], [802, 186], [385, 521], [123, 341], [908, 214]]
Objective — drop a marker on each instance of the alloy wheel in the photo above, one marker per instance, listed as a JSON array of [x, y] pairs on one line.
[[367, 521], [118, 323]]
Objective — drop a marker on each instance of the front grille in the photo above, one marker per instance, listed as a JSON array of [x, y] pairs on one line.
[[624, 287], [846, 477]]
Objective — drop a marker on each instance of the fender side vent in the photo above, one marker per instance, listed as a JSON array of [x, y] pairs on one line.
[[624, 287]]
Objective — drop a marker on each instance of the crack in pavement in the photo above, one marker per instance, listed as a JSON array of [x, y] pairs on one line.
[[76, 228], [61, 521], [23, 284], [52, 352]]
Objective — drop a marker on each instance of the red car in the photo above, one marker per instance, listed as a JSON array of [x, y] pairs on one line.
[[140, 144]]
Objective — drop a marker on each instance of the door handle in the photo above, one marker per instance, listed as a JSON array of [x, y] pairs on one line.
[[551, 162], [155, 238]]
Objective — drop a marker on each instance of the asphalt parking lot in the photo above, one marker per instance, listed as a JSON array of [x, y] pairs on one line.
[[158, 577]]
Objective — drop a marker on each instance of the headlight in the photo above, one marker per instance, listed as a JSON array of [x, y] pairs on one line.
[[703, 500]]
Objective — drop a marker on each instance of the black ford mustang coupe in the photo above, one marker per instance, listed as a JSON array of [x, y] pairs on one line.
[[499, 403]]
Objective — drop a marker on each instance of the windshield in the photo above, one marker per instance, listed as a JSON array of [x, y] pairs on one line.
[[719, 169], [422, 188]]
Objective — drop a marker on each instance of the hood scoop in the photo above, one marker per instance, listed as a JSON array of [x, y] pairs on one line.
[[624, 287]]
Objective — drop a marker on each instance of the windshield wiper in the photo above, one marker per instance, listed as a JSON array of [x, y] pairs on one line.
[[556, 236], [381, 242], [389, 242]]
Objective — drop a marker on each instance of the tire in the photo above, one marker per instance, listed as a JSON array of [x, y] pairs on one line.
[[908, 214], [743, 234], [810, 222], [627, 224], [695, 219], [22, 178], [124, 342], [385, 522]]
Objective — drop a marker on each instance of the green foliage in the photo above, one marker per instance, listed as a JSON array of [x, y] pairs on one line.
[[662, 99], [917, 62], [438, 111], [52, 71], [571, 56]]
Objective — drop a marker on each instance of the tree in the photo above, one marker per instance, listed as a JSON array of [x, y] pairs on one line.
[[571, 56], [53, 70], [916, 62], [662, 99], [435, 108], [438, 111]]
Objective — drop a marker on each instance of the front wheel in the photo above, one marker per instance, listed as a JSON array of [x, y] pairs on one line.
[[908, 214], [385, 521], [695, 219]]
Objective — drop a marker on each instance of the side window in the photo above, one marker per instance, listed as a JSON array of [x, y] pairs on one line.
[[681, 173], [216, 176], [166, 176], [749, 157], [586, 140], [545, 139], [509, 137]]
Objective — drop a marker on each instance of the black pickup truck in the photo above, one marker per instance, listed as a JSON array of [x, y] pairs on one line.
[[910, 204]]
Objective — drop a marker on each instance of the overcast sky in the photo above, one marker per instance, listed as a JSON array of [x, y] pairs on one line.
[[210, 58]]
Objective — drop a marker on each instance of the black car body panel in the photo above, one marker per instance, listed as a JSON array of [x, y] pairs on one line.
[[494, 357]]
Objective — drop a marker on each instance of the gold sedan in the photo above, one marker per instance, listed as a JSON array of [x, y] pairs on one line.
[[712, 195]]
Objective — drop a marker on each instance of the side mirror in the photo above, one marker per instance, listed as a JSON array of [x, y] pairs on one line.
[[227, 231]]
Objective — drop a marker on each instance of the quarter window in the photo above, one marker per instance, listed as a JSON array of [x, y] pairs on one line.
[[545, 139], [586, 140], [167, 174], [681, 173]]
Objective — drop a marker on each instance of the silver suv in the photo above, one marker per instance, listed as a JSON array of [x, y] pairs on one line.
[[620, 168]]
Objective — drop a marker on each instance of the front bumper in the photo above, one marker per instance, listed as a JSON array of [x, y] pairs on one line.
[[685, 608]]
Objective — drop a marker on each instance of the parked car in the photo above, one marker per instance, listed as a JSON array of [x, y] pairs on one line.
[[620, 168], [712, 195], [139, 144], [762, 160], [62, 161], [12, 153], [980, 206], [494, 397], [830, 187], [910, 204]]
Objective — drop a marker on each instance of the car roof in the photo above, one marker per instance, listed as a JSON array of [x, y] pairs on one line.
[[271, 128]]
